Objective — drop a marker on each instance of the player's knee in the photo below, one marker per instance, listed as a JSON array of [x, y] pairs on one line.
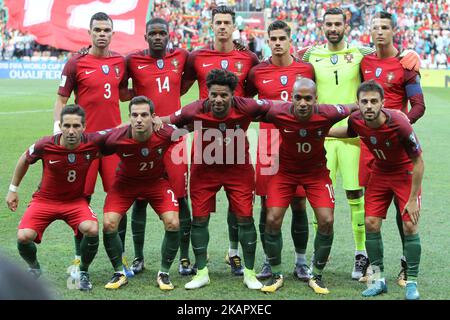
[[110, 225], [172, 224], [409, 228], [273, 221], [371, 225], [89, 228], [354, 194], [325, 224], [25, 237], [241, 219]]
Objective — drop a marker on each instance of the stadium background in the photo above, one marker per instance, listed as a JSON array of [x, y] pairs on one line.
[[30, 67]]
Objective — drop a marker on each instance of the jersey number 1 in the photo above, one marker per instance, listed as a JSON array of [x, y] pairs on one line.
[[336, 77]]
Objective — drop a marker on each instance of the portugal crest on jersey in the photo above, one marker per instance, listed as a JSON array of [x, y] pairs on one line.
[[159, 151], [145, 152], [390, 76], [87, 156], [224, 64], [378, 72], [239, 65], [373, 140], [71, 157], [348, 57], [284, 80], [160, 63], [319, 133], [117, 70], [175, 64], [334, 59], [303, 133], [105, 69], [388, 144]]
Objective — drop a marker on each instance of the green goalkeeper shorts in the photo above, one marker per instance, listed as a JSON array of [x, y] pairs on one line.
[[343, 157]]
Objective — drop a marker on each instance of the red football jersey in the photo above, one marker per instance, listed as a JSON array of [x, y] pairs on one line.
[[400, 85], [96, 82], [302, 142], [392, 145], [139, 161], [158, 79], [275, 83], [64, 171], [202, 61], [229, 131], [272, 82]]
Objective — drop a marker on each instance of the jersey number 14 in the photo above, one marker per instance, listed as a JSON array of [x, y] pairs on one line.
[[163, 85]]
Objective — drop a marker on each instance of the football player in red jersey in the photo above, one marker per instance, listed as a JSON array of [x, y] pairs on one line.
[[397, 173], [222, 55], [97, 79], [303, 125], [400, 86], [140, 174], [66, 158], [157, 73], [224, 162], [273, 79]]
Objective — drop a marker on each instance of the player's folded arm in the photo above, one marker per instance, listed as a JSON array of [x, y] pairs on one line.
[[339, 132]]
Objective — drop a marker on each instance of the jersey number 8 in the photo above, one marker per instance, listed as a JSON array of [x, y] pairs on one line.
[[71, 176]]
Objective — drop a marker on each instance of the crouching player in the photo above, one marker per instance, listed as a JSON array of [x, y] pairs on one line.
[[141, 174], [66, 158]]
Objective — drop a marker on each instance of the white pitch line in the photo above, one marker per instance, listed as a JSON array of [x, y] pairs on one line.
[[26, 111]]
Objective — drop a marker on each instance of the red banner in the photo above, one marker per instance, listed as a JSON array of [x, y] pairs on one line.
[[64, 24]]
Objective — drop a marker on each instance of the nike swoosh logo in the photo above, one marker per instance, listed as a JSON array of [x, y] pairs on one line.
[[142, 67], [127, 154], [207, 65], [288, 131], [367, 71], [53, 161], [318, 60], [360, 225], [89, 72], [267, 81]]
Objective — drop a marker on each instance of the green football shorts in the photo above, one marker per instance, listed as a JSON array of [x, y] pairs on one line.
[[343, 157]]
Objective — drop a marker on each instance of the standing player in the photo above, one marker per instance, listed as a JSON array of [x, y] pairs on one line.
[[66, 158], [400, 86], [157, 74], [337, 73], [96, 79], [303, 125], [273, 79], [141, 174], [222, 55], [397, 172], [225, 162]]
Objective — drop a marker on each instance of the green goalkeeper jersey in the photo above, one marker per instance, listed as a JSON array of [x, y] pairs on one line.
[[337, 73]]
